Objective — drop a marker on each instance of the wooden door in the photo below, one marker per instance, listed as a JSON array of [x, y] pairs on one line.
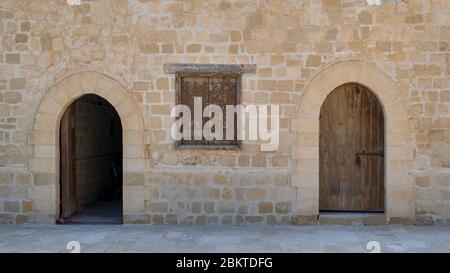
[[67, 170], [351, 151]]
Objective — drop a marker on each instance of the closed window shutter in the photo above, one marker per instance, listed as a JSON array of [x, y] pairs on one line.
[[221, 90], [192, 87]]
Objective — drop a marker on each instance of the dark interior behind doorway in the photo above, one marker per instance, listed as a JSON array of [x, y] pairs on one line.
[[91, 163]]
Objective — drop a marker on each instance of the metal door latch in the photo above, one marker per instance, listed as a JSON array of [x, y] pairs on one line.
[[364, 153]]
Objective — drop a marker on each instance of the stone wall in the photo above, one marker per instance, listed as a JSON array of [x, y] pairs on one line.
[[291, 42]]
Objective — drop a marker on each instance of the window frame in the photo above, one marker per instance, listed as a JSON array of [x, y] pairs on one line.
[[178, 92]]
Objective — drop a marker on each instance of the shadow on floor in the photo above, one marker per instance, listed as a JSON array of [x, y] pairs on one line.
[[101, 213]]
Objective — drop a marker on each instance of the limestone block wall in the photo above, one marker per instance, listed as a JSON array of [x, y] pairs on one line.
[[52, 53], [95, 180], [218, 197]]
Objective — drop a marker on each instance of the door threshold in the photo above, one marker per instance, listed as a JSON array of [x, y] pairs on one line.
[[352, 218], [90, 223], [68, 221]]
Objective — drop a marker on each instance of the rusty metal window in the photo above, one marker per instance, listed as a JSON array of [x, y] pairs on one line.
[[221, 89]]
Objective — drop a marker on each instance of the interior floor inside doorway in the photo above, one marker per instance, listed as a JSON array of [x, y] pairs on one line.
[[102, 212]]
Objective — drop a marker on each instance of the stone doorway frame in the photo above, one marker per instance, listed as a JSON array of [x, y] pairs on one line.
[[44, 138], [399, 184]]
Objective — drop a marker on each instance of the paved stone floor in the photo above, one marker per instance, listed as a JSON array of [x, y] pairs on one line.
[[144, 238]]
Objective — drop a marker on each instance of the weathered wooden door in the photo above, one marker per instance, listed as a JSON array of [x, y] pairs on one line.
[[67, 171], [351, 151]]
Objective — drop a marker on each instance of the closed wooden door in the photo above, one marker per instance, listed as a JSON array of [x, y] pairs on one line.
[[67, 150], [351, 151]]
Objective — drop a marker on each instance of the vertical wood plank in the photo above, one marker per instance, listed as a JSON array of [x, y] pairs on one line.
[[67, 168], [192, 87]]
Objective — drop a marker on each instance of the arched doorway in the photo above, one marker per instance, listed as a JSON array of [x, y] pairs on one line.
[[44, 138], [399, 152], [90, 163], [351, 151]]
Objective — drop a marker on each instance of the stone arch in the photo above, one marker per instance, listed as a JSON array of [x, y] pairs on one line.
[[44, 137], [399, 183]]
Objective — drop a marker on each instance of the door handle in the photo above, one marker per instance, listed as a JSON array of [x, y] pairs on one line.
[[364, 153]]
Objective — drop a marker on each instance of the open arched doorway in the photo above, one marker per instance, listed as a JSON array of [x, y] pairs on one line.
[[351, 145], [90, 163], [44, 138]]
